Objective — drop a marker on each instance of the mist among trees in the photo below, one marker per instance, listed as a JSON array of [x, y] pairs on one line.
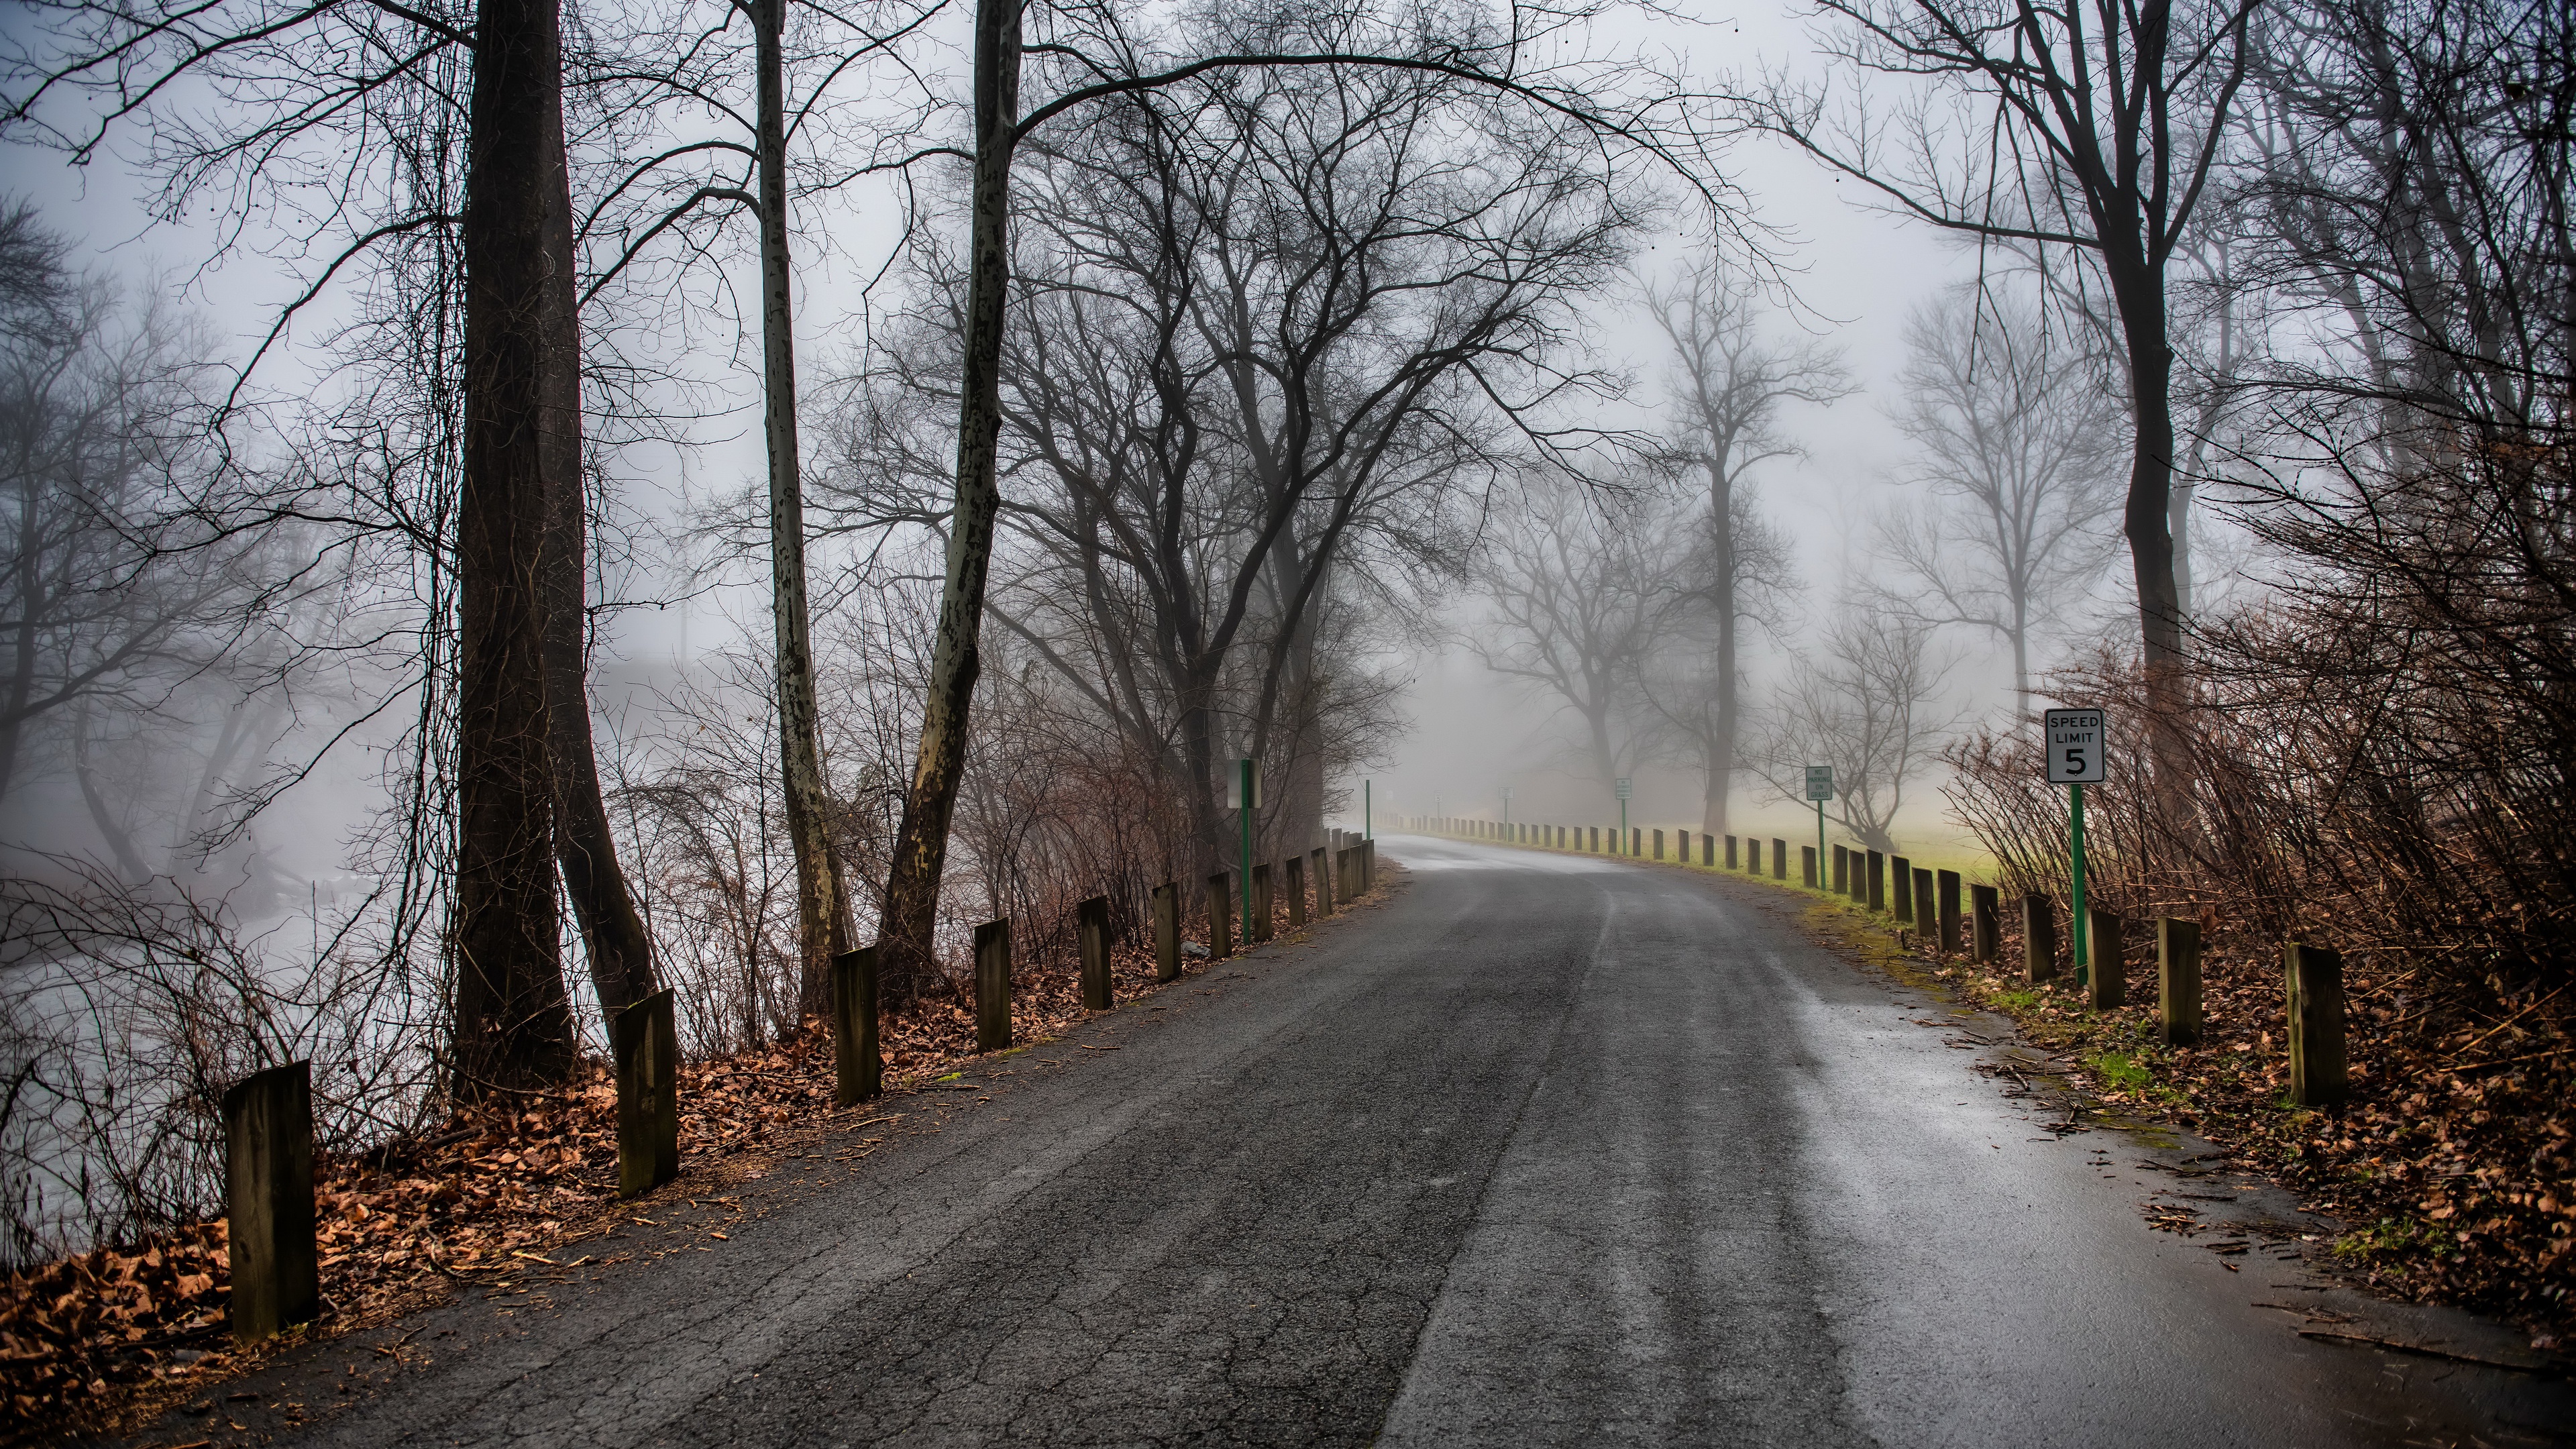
[[1190, 374]]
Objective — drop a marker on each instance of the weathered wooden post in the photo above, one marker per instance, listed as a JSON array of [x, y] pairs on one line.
[[1636, 842], [1091, 931], [1167, 931], [2317, 1073], [2109, 980], [1659, 845], [268, 1201], [1945, 890], [1296, 865], [1842, 871], [1368, 865], [1220, 914], [644, 1041], [1900, 888], [1780, 861], [1323, 884], [1258, 929], [1877, 889], [1807, 863], [858, 1067], [2178, 981], [993, 985], [2038, 937], [1708, 851], [1926, 919], [1730, 852], [1989, 922]]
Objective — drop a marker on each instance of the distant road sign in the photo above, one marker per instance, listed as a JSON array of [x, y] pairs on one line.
[[1820, 782], [2078, 747], [1623, 787]]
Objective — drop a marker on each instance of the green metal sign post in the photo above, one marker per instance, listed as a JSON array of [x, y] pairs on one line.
[[1820, 788], [2078, 755]]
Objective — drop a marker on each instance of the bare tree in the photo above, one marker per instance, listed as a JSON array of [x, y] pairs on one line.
[[1867, 702], [2014, 439], [1091, 55], [1585, 590], [1729, 382], [2095, 128]]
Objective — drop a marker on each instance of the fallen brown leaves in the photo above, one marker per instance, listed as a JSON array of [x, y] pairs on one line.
[[2451, 1169], [488, 1197]]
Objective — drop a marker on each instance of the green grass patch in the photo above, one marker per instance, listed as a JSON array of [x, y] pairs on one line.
[[2119, 1071], [2393, 1238]]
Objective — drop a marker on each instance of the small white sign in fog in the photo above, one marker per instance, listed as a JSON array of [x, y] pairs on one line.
[[1820, 782], [2077, 746]]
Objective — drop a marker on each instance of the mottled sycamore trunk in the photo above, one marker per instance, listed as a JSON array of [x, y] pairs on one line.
[[513, 1024], [822, 909], [921, 846]]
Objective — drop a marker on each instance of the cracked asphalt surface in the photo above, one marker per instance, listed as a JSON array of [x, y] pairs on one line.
[[1542, 1150]]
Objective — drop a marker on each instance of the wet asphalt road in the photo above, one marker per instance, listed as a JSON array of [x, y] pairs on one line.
[[1542, 1150]]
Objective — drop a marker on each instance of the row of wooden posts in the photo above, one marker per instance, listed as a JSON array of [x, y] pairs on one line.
[[1927, 901], [268, 1116]]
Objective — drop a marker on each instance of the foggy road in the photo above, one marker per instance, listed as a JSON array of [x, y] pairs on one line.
[[1543, 1150]]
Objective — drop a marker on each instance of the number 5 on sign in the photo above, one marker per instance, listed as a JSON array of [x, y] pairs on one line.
[[2076, 753]]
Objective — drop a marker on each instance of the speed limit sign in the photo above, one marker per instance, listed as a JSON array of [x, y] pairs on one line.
[[2077, 747]]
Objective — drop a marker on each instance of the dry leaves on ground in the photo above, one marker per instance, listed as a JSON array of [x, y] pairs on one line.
[[494, 1192]]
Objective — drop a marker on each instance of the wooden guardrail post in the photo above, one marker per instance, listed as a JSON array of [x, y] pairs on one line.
[[1842, 871], [1368, 865], [1877, 881], [1807, 863], [1323, 883], [1091, 931], [2109, 979], [1730, 853], [993, 985], [1927, 921], [1659, 845], [644, 1039], [1296, 866], [1220, 914], [1258, 928], [1780, 861], [1945, 891], [268, 1201], [2317, 1070], [1167, 931], [2178, 981], [1988, 922], [1900, 888], [2038, 937], [858, 1066]]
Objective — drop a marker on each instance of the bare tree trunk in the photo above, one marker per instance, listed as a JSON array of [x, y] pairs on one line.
[[921, 844], [513, 1023], [614, 943], [822, 908], [2151, 548], [1720, 752]]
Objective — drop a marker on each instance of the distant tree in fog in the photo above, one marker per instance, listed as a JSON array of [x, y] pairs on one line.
[[2020, 446], [1585, 590], [120, 609], [1865, 700], [1729, 381]]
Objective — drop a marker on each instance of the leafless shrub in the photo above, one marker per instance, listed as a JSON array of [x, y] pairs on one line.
[[125, 1013]]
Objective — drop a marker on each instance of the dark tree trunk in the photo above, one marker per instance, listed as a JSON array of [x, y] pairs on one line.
[[905, 956], [513, 1023], [614, 942]]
